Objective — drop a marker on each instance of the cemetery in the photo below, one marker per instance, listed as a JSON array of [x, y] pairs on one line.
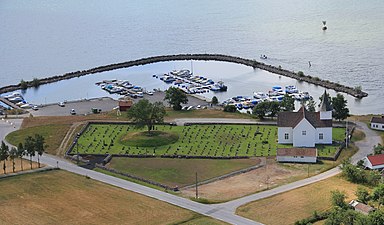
[[191, 141], [195, 141]]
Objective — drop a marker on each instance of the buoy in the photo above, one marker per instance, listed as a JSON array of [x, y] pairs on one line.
[[324, 25]]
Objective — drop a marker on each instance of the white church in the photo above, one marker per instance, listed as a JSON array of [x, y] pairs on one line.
[[304, 128]]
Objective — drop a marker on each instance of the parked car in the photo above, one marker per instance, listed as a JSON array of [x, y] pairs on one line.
[[61, 104], [35, 107], [73, 112]]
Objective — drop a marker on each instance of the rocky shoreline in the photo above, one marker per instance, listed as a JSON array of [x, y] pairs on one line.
[[205, 57]]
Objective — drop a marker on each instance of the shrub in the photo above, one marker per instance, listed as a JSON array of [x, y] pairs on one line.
[[35, 82], [300, 73], [229, 108], [23, 84]]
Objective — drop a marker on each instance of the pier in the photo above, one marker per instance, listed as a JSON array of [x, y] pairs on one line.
[[203, 57]]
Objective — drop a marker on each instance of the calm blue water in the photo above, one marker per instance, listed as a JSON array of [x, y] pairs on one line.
[[44, 38]]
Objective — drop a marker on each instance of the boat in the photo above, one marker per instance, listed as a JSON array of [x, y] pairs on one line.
[[260, 95], [219, 86], [290, 89], [276, 88], [16, 99]]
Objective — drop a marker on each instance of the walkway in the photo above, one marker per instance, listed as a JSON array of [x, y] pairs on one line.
[[224, 211]]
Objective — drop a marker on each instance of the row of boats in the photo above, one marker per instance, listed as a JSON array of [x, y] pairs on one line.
[[276, 94], [17, 99], [123, 87], [190, 84]]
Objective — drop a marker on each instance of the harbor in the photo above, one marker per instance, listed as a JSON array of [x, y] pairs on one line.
[[240, 81]]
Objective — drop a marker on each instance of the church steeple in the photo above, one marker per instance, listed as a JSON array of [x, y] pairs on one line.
[[325, 107]]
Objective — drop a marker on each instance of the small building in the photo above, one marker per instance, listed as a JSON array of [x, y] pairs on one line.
[[374, 162], [124, 105], [304, 128], [361, 207], [377, 123], [301, 155]]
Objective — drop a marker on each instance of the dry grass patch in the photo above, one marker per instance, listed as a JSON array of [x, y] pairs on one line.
[[297, 204], [58, 197]]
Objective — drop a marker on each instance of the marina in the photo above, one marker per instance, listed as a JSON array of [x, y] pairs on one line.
[[276, 94], [190, 84]]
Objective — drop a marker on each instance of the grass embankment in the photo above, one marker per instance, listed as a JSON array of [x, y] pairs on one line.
[[58, 197], [195, 140], [297, 204], [52, 128], [179, 172], [53, 135]]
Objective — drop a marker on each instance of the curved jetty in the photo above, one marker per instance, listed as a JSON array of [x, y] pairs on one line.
[[206, 57]]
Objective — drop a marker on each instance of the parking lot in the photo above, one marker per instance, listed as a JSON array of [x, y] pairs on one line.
[[84, 107]]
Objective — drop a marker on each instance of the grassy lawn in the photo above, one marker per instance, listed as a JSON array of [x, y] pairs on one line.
[[179, 172], [195, 140], [53, 135], [297, 204], [58, 197]]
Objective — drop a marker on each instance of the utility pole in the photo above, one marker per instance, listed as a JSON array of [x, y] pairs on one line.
[[197, 193]]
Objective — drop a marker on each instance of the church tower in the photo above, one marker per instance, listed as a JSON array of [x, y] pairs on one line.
[[325, 108]]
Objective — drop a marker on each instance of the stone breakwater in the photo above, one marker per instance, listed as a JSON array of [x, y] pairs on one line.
[[204, 57]]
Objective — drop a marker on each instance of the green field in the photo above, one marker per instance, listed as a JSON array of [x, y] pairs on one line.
[[179, 172], [194, 140]]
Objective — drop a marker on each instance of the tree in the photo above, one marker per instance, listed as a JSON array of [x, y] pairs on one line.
[[274, 108], [310, 105], [230, 108], [20, 154], [12, 156], [144, 113], [340, 110], [29, 146], [39, 146], [378, 149], [260, 110], [362, 195], [214, 100], [23, 84], [4, 154], [338, 199], [176, 97], [288, 103], [376, 217], [378, 194]]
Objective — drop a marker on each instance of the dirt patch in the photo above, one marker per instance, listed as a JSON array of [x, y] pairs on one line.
[[247, 183]]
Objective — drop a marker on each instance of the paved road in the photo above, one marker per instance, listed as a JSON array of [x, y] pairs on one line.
[[224, 211]]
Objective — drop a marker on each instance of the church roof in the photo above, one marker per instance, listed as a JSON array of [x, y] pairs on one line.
[[325, 104], [377, 120], [291, 119]]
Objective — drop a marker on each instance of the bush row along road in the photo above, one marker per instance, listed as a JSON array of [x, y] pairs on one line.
[[224, 211]]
